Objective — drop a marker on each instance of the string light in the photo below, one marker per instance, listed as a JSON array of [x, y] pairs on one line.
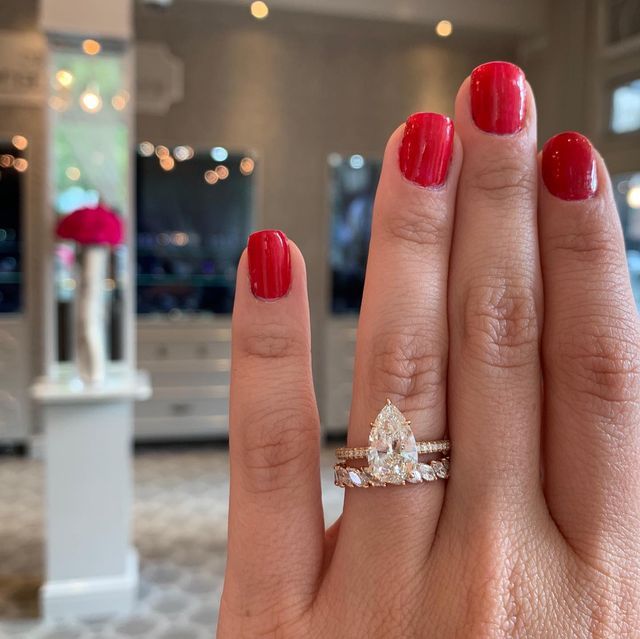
[[146, 149], [64, 78], [20, 165], [73, 173], [91, 47], [90, 100], [222, 171], [120, 100], [246, 166], [20, 142], [211, 177], [167, 163], [219, 153], [183, 153]]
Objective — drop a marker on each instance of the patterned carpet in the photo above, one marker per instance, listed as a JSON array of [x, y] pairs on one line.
[[180, 533]]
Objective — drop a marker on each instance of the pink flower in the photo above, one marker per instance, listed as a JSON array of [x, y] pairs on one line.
[[97, 225]]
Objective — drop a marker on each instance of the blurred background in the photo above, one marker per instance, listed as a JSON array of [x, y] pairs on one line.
[[197, 122]]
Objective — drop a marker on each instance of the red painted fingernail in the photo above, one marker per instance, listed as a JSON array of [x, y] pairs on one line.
[[498, 97], [427, 145], [269, 264], [569, 166]]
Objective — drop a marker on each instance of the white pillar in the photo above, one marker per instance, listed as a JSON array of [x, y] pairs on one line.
[[91, 566]]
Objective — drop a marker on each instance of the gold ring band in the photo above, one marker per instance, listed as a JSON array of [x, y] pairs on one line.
[[423, 448]]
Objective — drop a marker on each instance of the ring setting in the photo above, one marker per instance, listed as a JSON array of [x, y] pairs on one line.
[[392, 455]]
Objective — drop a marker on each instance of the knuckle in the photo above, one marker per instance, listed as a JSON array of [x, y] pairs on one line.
[[602, 364], [500, 321], [594, 241], [410, 365], [272, 341], [279, 445], [506, 180], [422, 221]]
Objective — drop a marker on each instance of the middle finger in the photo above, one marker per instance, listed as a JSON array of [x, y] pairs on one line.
[[495, 298]]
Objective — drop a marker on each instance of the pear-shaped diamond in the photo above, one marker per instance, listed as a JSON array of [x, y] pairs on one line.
[[393, 454]]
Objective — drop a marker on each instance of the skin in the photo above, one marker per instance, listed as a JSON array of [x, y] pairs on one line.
[[503, 315]]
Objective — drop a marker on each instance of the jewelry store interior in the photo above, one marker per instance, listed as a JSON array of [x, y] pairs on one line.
[[141, 142]]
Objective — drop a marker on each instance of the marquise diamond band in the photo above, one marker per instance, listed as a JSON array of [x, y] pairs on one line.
[[392, 455]]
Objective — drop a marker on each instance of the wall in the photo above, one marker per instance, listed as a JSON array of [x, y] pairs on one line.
[[296, 87]]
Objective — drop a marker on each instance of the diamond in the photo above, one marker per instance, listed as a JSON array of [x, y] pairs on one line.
[[357, 478], [414, 477], [393, 454], [428, 474], [342, 476], [439, 469]]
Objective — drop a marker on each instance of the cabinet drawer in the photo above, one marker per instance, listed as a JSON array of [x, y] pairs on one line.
[[180, 408], [175, 351]]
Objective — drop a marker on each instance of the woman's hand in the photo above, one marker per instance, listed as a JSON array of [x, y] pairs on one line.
[[497, 308]]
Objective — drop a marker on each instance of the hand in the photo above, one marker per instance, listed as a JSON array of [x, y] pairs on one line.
[[497, 308]]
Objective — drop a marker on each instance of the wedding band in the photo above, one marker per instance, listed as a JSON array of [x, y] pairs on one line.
[[392, 455], [423, 448]]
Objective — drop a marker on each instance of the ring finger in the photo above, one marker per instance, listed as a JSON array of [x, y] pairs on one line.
[[402, 336]]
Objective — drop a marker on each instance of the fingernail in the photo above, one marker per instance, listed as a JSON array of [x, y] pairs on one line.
[[498, 97], [269, 264], [569, 166], [427, 145]]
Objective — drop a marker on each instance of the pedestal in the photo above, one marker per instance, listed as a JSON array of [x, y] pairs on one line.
[[91, 567]]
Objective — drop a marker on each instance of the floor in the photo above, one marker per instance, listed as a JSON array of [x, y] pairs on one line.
[[180, 533]]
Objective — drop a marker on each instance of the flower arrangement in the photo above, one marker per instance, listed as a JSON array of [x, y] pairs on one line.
[[92, 226], [95, 230]]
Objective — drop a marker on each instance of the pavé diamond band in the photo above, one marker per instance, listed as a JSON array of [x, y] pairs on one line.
[[423, 448], [392, 455]]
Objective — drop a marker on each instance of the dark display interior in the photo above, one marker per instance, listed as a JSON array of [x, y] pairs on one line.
[[352, 190], [192, 227], [10, 231]]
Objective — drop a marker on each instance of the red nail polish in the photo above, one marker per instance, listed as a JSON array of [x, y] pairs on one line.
[[569, 166], [498, 97], [269, 264], [427, 145]]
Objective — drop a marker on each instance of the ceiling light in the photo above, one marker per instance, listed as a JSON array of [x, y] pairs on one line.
[[444, 28], [259, 10]]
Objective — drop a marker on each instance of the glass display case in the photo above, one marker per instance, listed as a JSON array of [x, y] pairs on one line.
[[12, 167], [194, 213], [353, 181]]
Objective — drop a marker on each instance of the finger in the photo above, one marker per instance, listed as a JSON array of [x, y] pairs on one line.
[[402, 343], [495, 295], [591, 350], [276, 529]]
